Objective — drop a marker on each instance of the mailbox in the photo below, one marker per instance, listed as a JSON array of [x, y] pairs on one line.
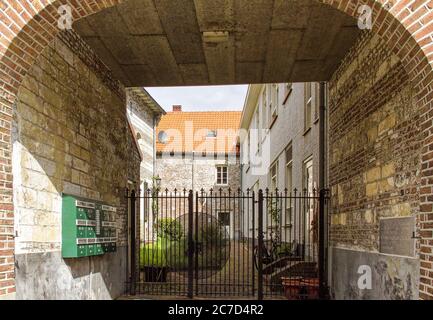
[[88, 227]]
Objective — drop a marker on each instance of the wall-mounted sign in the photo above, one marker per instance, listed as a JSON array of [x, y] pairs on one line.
[[396, 236]]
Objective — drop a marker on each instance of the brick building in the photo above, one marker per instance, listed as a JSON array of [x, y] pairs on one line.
[[380, 123]]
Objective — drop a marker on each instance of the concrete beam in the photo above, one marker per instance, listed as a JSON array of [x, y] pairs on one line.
[[148, 43]]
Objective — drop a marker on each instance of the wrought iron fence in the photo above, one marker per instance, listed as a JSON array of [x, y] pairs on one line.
[[224, 243]]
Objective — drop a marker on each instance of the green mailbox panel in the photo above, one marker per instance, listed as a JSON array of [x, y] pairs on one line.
[[88, 228]]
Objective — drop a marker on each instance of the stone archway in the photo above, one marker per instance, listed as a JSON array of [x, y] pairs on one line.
[[29, 26]]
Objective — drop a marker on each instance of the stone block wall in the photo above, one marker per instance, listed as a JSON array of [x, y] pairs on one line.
[[179, 172], [374, 164], [70, 136], [176, 172]]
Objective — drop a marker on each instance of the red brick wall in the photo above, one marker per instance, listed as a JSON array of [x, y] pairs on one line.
[[375, 147], [29, 25]]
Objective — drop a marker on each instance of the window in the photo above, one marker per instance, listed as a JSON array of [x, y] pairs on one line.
[[258, 128], [289, 159], [162, 137], [289, 186], [274, 176], [308, 106], [316, 101], [222, 176], [264, 107], [308, 175], [288, 87], [255, 222], [249, 147], [273, 106], [212, 134]]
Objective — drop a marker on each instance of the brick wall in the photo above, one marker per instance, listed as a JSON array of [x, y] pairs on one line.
[[375, 147], [70, 136], [28, 26]]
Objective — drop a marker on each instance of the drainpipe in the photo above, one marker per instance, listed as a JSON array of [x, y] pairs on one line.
[[323, 281], [154, 146], [192, 170]]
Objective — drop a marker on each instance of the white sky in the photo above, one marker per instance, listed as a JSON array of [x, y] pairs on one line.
[[211, 98]]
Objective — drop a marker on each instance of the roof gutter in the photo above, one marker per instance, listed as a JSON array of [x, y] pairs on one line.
[[250, 104]]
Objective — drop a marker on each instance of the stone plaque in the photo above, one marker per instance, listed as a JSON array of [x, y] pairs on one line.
[[396, 236]]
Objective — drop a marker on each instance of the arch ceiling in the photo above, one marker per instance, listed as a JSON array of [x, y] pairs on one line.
[[165, 42]]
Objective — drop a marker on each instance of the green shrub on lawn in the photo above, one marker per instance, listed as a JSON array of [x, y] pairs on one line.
[[168, 228], [152, 254], [170, 249]]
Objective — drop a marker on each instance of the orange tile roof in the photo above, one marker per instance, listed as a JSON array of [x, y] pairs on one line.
[[187, 131]]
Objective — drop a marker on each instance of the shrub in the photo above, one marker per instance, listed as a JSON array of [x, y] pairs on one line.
[[168, 228], [152, 254], [212, 234]]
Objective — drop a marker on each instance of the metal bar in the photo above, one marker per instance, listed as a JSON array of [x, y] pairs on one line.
[[196, 230], [190, 244], [253, 237], [133, 245], [260, 249], [322, 219]]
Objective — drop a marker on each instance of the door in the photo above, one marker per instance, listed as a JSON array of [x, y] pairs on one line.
[[308, 205], [225, 221]]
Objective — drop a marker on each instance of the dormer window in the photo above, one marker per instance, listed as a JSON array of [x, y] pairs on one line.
[[211, 134], [162, 137]]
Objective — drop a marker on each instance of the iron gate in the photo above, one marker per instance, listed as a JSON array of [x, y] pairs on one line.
[[224, 243]]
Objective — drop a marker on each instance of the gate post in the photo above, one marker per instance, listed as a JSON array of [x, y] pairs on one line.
[[133, 245], [190, 244], [260, 249], [323, 287]]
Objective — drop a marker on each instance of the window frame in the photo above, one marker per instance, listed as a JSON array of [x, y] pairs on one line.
[[273, 105], [308, 101], [271, 176], [317, 102], [288, 90], [218, 167], [257, 123], [304, 172], [214, 134]]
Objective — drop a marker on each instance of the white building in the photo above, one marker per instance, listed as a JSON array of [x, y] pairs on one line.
[[144, 114], [280, 144]]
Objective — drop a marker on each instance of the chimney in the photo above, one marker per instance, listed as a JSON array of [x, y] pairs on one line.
[[177, 108]]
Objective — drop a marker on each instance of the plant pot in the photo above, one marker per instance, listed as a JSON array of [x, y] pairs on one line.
[[155, 274], [298, 288]]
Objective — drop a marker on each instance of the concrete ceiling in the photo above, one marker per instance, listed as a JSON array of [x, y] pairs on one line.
[[160, 42]]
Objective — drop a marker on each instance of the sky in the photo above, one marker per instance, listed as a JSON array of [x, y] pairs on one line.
[[201, 98]]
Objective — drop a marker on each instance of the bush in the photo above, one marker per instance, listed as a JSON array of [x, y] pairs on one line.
[[171, 247], [153, 254], [174, 254], [213, 235], [284, 249], [168, 228]]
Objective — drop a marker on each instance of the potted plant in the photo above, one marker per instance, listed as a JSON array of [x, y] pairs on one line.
[[153, 262], [299, 288]]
